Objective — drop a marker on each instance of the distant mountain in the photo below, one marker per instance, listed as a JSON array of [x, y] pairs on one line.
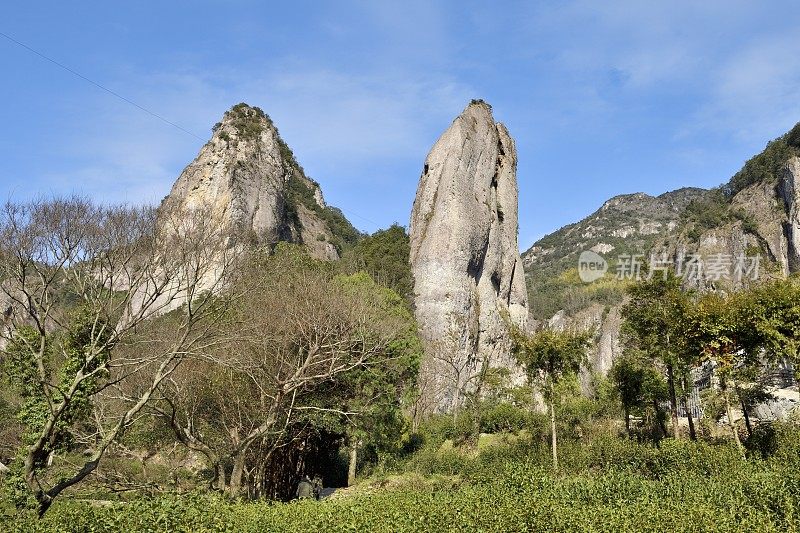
[[756, 214], [630, 223]]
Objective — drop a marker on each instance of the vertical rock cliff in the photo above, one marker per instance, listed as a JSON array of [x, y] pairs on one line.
[[465, 256], [790, 192]]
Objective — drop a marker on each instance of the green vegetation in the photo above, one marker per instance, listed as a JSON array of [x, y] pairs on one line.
[[300, 191], [253, 381], [713, 210], [607, 484], [548, 356], [384, 256], [610, 477], [566, 292], [793, 137], [653, 326], [767, 166], [248, 121]]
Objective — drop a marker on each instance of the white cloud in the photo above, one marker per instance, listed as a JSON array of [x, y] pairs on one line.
[[335, 121]]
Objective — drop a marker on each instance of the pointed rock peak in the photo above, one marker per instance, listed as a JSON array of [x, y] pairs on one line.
[[243, 122], [249, 179], [478, 103], [478, 111], [464, 252]]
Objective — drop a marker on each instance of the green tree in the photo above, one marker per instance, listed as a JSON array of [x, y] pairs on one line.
[[384, 256], [654, 319], [375, 398], [548, 356], [307, 352], [80, 280], [714, 331], [740, 332]]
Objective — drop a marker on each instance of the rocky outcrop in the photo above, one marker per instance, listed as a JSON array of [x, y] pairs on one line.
[[606, 323], [247, 177], [465, 255], [790, 193]]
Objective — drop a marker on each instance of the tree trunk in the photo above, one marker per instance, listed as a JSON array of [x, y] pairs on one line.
[[745, 413], [659, 425], [747, 420], [237, 474], [673, 402], [353, 464], [554, 441], [729, 412], [220, 480], [692, 431], [627, 420]]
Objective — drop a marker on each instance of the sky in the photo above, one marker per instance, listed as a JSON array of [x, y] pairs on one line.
[[602, 98]]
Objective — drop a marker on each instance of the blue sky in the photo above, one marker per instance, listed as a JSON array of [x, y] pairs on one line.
[[603, 98]]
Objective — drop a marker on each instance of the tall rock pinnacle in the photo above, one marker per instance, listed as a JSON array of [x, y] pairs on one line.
[[248, 178], [465, 255]]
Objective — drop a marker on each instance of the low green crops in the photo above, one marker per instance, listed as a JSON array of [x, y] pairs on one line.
[[609, 486]]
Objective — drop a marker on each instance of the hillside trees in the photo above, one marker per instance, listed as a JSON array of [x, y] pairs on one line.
[[740, 332], [713, 330], [78, 282], [384, 256], [305, 349], [641, 388]]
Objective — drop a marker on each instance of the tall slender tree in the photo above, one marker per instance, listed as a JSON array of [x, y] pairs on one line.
[[548, 356]]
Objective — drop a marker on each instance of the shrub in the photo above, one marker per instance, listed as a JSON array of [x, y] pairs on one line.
[[503, 417]]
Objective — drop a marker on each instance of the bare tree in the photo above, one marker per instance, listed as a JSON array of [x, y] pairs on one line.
[[297, 329], [85, 283]]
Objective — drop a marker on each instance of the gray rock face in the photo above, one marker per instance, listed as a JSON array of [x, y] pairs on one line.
[[606, 322], [790, 191], [246, 176], [465, 255]]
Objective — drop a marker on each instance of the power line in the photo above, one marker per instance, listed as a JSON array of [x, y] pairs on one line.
[[126, 100], [106, 89]]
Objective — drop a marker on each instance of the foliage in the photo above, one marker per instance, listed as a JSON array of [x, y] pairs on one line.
[[641, 388], [793, 137], [311, 358], [248, 121], [707, 212], [384, 256], [609, 486], [550, 354], [767, 166], [77, 354], [300, 191]]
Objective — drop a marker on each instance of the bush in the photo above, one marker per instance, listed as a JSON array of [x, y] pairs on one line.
[[766, 166], [503, 417]]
